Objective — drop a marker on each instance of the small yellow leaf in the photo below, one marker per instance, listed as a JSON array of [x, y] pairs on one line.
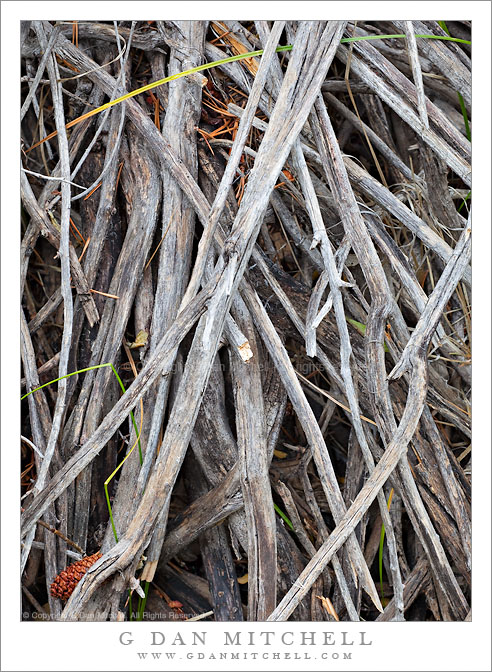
[[243, 579], [280, 454], [140, 340]]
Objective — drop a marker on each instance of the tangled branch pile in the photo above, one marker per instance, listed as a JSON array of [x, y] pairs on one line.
[[274, 257]]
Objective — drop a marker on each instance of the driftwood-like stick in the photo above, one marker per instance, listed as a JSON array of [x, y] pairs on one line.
[[63, 253], [233, 162], [39, 413], [413, 55], [178, 226], [48, 230], [216, 555], [376, 141], [51, 563], [254, 463]]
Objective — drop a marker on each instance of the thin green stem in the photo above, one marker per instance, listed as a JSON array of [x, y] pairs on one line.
[[142, 601], [110, 511], [137, 432], [464, 201], [131, 415], [241, 57], [381, 542], [283, 516], [460, 97], [390, 37], [109, 479], [465, 116], [91, 368], [444, 27]]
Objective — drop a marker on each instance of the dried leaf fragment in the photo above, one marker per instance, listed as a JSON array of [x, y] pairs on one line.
[[326, 602], [140, 340]]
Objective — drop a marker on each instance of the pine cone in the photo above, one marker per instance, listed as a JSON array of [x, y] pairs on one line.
[[64, 584]]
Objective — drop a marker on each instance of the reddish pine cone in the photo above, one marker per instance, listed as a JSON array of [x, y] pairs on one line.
[[64, 584]]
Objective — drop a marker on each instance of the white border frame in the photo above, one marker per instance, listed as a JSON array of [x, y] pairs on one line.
[[84, 646]]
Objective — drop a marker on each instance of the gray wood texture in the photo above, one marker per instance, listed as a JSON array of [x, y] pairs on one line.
[[285, 294]]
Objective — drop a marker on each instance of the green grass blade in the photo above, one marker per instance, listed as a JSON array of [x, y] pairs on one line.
[[283, 516], [241, 57], [464, 200], [115, 534], [137, 433], [460, 97], [444, 27], [110, 478], [90, 368], [381, 542], [361, 328], [465, 116], [142, 601], [131, 416], [344, 40]]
